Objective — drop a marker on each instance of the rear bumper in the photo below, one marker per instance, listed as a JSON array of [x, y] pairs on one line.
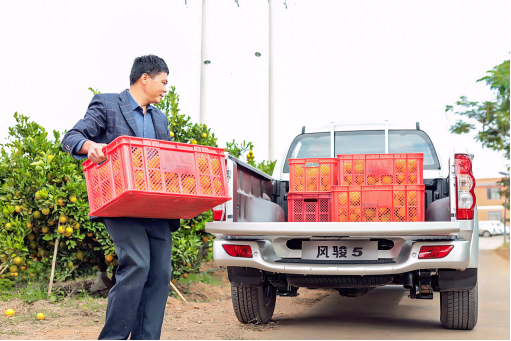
[[264, 258]]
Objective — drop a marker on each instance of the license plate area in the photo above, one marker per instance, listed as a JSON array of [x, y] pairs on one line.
[[340, 250]]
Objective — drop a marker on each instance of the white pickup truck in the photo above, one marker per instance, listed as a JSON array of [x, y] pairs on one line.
[[267, 256]]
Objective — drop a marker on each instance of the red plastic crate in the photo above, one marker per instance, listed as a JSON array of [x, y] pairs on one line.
[[380, 169], [312, 175], [309, 207], [147, 178], [397, 203]]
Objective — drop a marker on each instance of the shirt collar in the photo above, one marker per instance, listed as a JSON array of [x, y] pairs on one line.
[[135, 105]]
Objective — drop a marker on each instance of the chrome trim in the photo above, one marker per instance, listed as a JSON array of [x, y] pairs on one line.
[[264, 259]]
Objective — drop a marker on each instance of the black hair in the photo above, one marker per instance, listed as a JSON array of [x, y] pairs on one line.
[[150, 64]]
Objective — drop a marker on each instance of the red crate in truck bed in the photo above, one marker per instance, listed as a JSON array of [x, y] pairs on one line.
[[396, 203], [312, 175], [309, 207], [380, 169], [147, 178]]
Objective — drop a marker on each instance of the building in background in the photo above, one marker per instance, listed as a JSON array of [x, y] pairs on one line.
[[490, 203]]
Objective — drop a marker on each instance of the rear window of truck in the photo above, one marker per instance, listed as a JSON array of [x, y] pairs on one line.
[[317, 145]]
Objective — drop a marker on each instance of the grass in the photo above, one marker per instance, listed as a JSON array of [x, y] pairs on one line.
[[201, 277], [504, 246], [32, 291]]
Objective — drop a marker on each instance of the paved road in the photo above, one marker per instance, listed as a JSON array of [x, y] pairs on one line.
[[387, 312]]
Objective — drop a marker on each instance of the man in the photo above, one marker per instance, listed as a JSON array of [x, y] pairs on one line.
[[136, 303]]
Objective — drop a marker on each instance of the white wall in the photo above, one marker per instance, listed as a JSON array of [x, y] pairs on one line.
[[333, 60]]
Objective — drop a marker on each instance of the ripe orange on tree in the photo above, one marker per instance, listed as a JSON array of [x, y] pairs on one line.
[[45, 211], [61, 229], [109, 258]]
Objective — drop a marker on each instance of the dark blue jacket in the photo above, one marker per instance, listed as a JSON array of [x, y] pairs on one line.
[[108, 117]]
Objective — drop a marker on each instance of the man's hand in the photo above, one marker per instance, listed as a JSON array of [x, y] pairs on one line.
[[94, 151]]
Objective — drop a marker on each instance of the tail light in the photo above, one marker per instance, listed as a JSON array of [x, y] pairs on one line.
[[438, 251], [219, 213], [244, 251], [465, 185]]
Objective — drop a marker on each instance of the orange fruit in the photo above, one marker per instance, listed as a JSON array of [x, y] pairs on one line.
[[77, 226], [136, 157], [325, 181], [359, 179], [46, 229], [412, 179], [189, 183], [347, 167], [217, 184], [72, 198], [69, 230], [109, 258], [185, 275], [60, 202], [205, 181], [31, 236], [13, 268], [29, 224], [412, 198], [61, 229], [40, 316], [37, 214], [17, 260], [45, 211], [412, 166], [400, 178], [63, 219], [325, 170], [215, 166], [300, 188], [347, 180], [299, 171], [17, 209], [400, 166], [342, 198], [359, 167], [9, 312], [372, 180], [355, 198], [387, 180]]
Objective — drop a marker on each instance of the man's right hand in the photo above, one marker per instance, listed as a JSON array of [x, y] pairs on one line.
[[94, 151]]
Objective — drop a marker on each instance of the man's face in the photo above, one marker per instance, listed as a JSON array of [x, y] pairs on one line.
[[156, 87]]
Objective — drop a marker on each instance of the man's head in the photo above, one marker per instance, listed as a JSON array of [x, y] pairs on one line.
[[149, 77]]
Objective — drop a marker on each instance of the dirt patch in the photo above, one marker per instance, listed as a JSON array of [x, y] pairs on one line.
[[207, 315], [503, 251]]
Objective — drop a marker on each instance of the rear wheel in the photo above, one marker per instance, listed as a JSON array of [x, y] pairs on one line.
[[254, 304], [459, 309], [486, 234]]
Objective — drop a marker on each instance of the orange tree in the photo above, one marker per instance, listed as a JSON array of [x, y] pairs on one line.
[[43, 198]]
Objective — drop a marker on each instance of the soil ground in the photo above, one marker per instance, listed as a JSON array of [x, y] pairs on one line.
[[207, 315], [503, 251]]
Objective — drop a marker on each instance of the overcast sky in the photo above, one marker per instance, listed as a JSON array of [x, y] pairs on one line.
[[332, 61]]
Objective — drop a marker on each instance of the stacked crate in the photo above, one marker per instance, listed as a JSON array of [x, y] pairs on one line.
[[310, 189], [372, 188]]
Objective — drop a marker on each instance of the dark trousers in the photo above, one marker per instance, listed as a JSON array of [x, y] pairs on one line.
[[136, 303]]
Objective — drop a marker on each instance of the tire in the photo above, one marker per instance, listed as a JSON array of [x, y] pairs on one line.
[[486, 234], [254, 304], [459, 309]]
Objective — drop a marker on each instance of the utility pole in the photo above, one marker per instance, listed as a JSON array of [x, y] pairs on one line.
[[204, 63]]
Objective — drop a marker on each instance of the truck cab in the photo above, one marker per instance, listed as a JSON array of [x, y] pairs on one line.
[[266, 255]]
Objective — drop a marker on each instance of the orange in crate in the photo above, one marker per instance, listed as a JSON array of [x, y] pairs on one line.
[[380, 169], [146, 178], [378, 203], [312, 175]]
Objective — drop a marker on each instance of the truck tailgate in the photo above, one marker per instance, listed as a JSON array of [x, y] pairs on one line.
[[334, 229]]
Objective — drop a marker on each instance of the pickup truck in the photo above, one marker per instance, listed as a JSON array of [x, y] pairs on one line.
[[265, 255]]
